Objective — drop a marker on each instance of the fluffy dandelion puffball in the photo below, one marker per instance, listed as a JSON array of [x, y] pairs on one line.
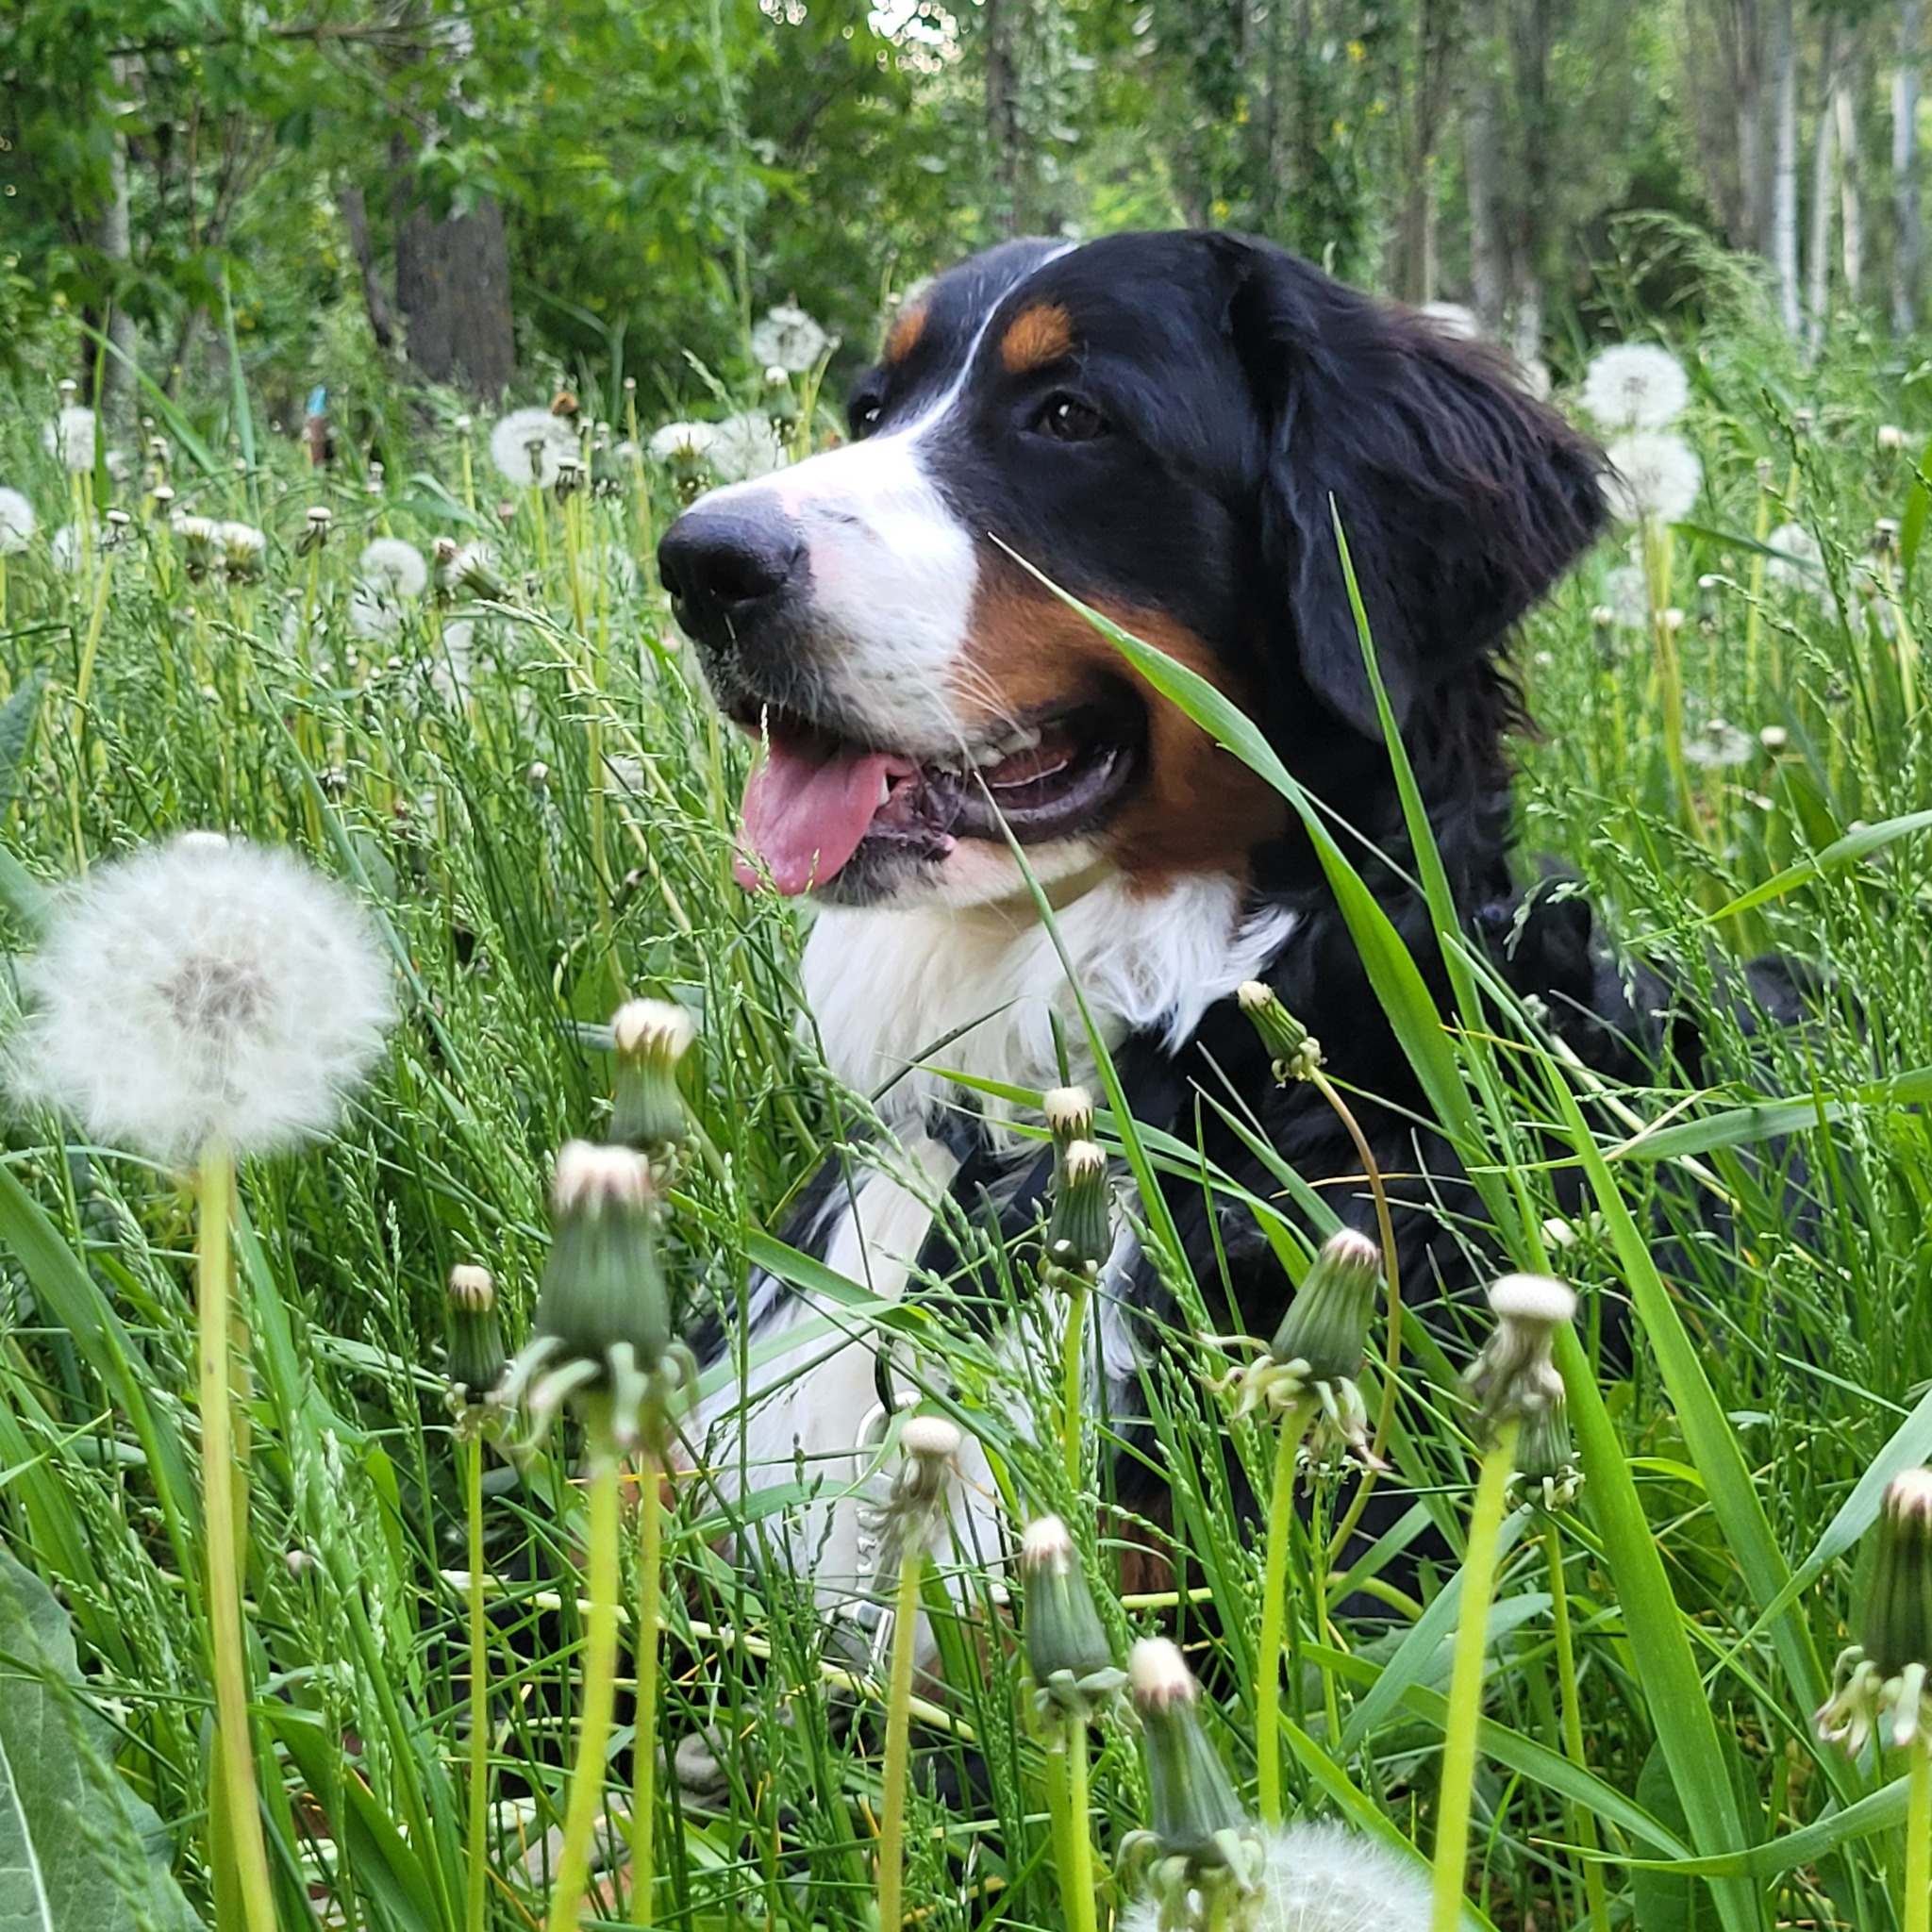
[[70, 438], [1636, 386], [1801, 560], [681, 442], [528, 447], [203, 990], [395, 569], [788, 338], [1655, 474], [17, 520], [743, 446], [1322, 1878]]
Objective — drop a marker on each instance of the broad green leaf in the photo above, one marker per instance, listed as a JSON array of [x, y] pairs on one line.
[[78, 1851]]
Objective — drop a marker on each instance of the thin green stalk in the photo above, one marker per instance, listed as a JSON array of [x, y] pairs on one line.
[[1918, 1917], [644, 1741], [477, 1907], [1078, 1289], [1274, 1612], [1593, 1889], [600, 1677], [892, 1861], [215, 1189], [1076, 1891], [1466, 1680]]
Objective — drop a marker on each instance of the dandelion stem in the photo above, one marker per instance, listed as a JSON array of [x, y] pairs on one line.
[[892, 1861], [1466, 1679], [644, 1741], [235, 1756], [1078, 1290], [1076, 1892], [479, 1690], [600, 1676], [1918, 1915], [1572, 1723], [1274, 1612]]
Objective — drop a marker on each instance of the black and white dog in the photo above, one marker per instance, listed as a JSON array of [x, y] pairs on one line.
[[1160, 424]]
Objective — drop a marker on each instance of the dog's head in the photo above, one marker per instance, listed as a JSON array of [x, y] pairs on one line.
[[1159, 423]]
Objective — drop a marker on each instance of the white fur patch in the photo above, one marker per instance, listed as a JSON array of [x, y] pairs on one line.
[[886, 984]]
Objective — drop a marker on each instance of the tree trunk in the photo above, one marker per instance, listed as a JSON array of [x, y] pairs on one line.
[[1823, 161], [1905, 170], [1844, 107], [1482, 136], [1784, 187], [1002, 116], [1415, 280], [453, 289], [382, 317], [115, 400]]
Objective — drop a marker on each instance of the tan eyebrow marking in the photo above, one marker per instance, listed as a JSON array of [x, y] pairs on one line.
[[906, 334], [1035, 336]]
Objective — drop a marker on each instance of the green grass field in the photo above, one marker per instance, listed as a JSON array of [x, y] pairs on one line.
[[528, 792]]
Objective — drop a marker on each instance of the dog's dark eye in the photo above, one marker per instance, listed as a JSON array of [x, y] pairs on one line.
[[1067, 419], [862, 413]]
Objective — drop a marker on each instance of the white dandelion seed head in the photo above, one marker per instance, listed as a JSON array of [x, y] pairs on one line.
[[743, 446], [394, 568], [1325, 1878], [17, 520], [69, 546], [1454, 319], [1654, 473], [1636, 386], [681, 442], [71, 438], [203, 990], [528, 447], [242, 547], [1802, 559], [788, 338], [1626, 594], [1717, 744]]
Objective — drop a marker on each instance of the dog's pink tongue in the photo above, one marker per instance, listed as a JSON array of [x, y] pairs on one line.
[[806, 810]]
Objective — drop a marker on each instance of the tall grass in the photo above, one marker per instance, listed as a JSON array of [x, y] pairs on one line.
[[551, 832]]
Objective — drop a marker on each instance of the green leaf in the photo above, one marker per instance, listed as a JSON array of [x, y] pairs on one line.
[[1840, 852], [17, 719], [78, 1851]]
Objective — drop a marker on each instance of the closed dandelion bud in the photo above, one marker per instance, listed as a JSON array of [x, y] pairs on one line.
[[1296, 1051], [1884, 536], [650, 1037], [1067, 1645], [1515, 1378], [570, 477], [1326, 1327], [162, 497], [1079, 1231], [929, 1443], [1881, 1686], [1205, 1859], [1068, 1112], [1545, 1457], [476, 1359], [314, 530], [1803, 423], [1892, 438], [1898, 1614], [603, 1286]]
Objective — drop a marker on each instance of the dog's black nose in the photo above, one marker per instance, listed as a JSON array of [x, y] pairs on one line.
[[725, 568]]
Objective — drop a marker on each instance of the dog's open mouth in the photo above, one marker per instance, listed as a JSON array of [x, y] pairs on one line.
[[817, 798]]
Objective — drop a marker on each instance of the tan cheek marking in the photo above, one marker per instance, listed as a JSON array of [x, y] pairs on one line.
[[1196, 807], [906, 334], [1036, 336]]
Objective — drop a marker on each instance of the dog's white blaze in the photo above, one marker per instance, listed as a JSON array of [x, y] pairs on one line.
[[886, 983]]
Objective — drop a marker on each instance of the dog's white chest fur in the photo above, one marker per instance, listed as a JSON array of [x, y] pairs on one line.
[[885, 988]]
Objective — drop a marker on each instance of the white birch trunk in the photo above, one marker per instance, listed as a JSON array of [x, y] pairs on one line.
[[1823, 159], [1844, 107], [1905, 170], [1784, 179]]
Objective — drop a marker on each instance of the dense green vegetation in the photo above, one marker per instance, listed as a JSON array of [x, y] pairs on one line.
[[460, 696]]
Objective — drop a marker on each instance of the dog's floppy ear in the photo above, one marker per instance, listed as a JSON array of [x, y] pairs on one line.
[[1462, 499]]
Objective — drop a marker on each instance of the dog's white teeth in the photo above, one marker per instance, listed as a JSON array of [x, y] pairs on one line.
[[885, 789], [1003, 748]]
